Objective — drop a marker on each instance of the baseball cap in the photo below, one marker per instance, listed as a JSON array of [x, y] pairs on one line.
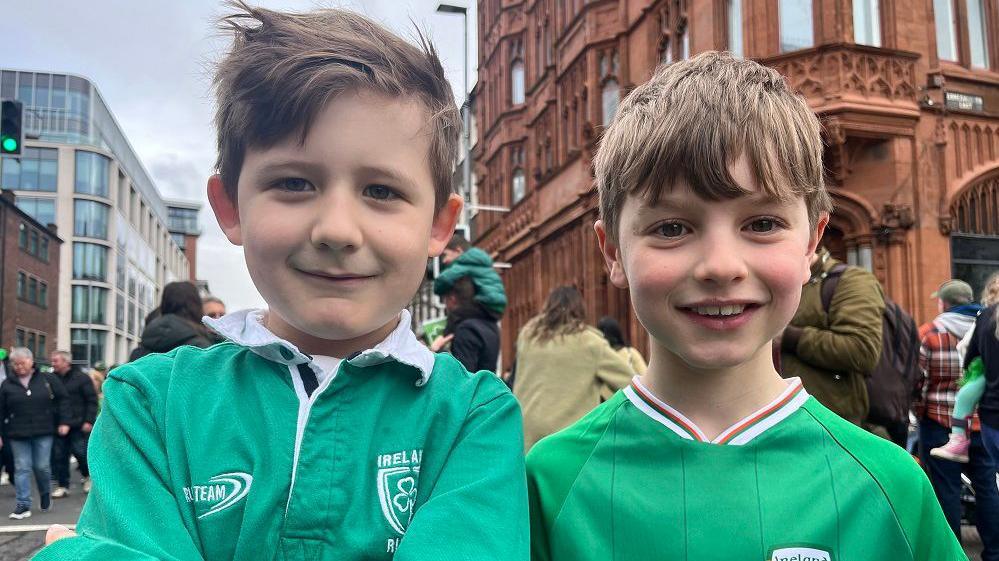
[[955, 291]]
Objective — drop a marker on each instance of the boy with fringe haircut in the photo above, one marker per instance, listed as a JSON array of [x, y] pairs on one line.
[[712, 202], [321, 428]]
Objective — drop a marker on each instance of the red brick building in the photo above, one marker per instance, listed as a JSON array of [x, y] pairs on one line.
[[29, 281], [908, 93]]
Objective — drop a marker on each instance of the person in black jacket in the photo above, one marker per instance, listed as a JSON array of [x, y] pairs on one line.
[[471, 329], [83, 413], [985, 344], [179, 322], [32, 404]]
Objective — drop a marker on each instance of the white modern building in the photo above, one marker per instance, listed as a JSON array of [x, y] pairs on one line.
[[78, 171]]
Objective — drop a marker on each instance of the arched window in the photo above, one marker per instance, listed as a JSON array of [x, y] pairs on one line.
[[611, 97], [517, 82], [518, 185]]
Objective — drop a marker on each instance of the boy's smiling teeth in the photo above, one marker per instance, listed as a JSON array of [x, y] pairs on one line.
[[731, 310]]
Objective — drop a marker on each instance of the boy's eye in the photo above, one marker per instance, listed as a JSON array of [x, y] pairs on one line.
[[294, 185], [764, 225], [380, 192], [671, 230]]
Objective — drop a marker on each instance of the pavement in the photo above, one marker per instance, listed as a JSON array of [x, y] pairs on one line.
[[20, 539]]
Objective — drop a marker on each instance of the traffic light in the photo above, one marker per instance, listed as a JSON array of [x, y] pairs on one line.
[[11, 133]]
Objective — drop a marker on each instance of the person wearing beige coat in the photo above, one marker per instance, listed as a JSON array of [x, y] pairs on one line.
[[561, 376]]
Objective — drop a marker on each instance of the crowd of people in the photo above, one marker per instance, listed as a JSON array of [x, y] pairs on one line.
[[742, 437], [47, 414]]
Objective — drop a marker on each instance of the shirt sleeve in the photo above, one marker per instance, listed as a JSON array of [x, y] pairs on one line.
[[130, 514], [478, 507], [927, 530]]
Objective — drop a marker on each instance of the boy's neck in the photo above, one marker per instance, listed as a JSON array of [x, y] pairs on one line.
[[339, 348], [714, 399]]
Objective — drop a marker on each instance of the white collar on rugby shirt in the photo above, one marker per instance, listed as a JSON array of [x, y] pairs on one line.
[[246, 328]]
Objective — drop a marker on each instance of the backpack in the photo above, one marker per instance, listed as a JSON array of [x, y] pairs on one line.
[[890, 384]]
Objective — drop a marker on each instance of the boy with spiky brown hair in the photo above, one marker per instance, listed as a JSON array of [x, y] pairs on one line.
[[321, 428], [712, 202]]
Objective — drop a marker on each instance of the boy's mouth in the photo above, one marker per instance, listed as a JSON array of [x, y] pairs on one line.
[[721, 316]]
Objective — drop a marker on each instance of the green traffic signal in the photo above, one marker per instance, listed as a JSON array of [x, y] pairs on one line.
[[9, 144]]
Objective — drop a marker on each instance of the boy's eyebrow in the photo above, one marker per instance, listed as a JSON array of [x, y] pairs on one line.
[[291, 166], [686, 203], [388, 173]]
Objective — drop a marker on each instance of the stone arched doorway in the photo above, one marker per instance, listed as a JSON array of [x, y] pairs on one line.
[[974, 237], [848, 236]]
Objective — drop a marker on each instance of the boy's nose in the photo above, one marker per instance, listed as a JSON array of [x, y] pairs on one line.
[[723, 263], [336, 225]]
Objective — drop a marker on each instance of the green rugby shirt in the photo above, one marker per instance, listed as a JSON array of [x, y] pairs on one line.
[[636, 480], [222, 453]]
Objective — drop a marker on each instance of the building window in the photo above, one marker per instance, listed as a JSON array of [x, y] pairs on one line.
[[41, 345], [90, 219], [866, 23], [31, 343], [92, 173], [22, 236], [89, 261], [666, 51], [735, 27], [119, 311], [32, 296], [519, 185], [33, 242], [517, 82], [41, 209], [19, 338], [977, 34], [43, 249], [796, 25], [35, 170], [943, 16], [22, 281], [87, 345], [182, 220], [43, 294], [611, 97], [89, 304]]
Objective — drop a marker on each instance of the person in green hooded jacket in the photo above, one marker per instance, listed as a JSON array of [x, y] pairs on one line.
[[475, 301]]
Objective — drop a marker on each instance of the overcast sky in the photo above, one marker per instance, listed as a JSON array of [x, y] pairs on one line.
[[152, 62]]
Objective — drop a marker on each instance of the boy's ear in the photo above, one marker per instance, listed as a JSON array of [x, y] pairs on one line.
[[813, 243], [444, 223], [226, 210], [612, 256]]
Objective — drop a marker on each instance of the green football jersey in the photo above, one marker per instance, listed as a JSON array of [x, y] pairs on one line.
[[636, 480]]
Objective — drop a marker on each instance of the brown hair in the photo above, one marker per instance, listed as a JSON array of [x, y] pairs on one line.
[[564, 314], [284, 68], [458, 241], [693, 119]]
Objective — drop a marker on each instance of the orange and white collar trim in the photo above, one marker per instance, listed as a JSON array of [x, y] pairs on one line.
[[742, 432]]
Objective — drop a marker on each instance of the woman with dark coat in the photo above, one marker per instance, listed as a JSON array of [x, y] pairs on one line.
[[34, 407], [178, 324]]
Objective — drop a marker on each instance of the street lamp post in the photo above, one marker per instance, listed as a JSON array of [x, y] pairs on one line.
[[466, 168]]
